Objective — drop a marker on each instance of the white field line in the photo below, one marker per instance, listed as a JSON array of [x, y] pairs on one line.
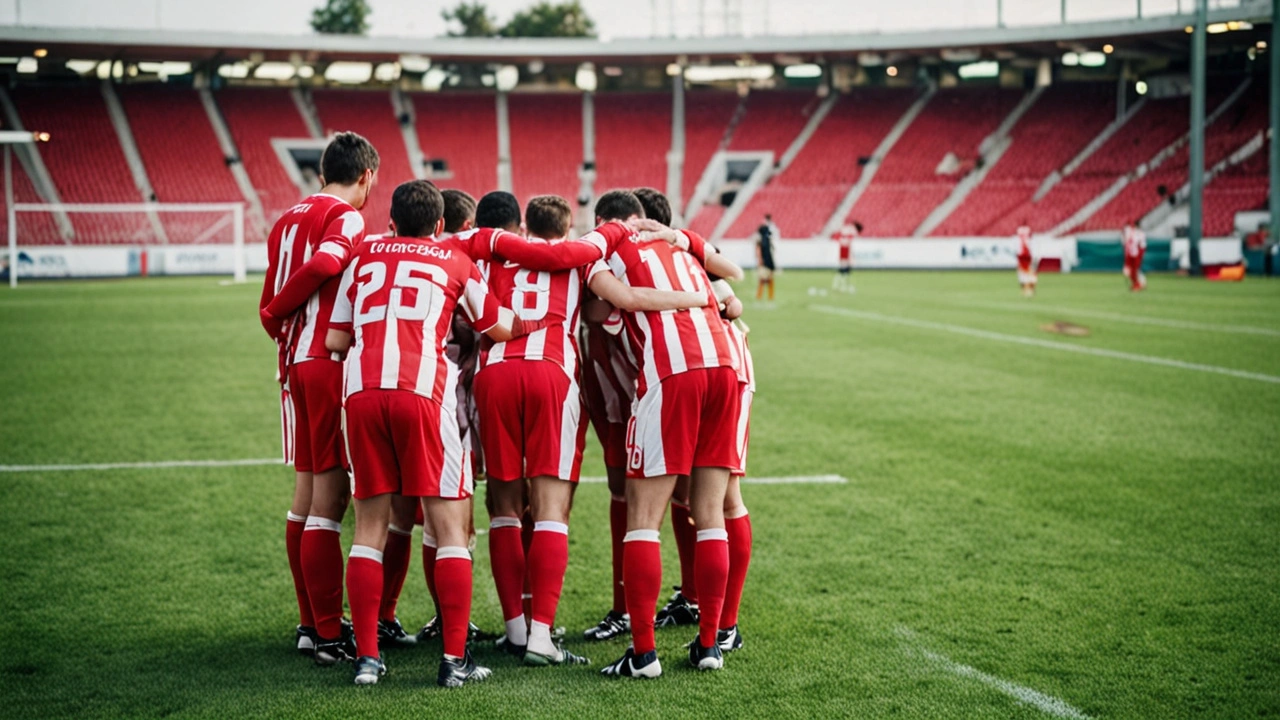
[[1042, 702], [1046, 344], [249, 462], [1132, 319]]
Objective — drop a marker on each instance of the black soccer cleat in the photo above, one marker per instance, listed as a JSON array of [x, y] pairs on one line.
[[613, 625], [510, 648], [455, 673], [369, 669], [729, 640], [630, 665], [305, 640], [705, 658], [391, 634], [678, 611], [430, 631], [331, 652], [475, 634]]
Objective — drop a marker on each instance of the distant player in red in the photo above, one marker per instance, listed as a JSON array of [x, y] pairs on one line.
[[1026, 262], [845, 237], [306, 250], [687, 409], [397, 300], [1135, 247]]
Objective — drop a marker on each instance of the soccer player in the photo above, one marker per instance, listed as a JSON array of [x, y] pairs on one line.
[[766, 234], [1026, 262], [845, 237], [297, 299], [397, 299], [530, 423], [1135, 247], [686, 415]]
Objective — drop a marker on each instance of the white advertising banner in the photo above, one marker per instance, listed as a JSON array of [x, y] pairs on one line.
[[60, 261]]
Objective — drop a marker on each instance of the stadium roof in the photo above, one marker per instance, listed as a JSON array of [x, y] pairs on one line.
[[1164, 35]]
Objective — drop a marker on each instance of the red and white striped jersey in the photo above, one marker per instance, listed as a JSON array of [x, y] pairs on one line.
[[673, 341], [1135, 242], [321, 223], [553, 297], [845, 237], [1024, 241], [397, 298], [608, 356]]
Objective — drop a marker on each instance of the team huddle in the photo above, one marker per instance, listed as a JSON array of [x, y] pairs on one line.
[[468, 342]]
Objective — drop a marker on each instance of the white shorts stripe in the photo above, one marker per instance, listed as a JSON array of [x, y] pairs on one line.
[[648, 435], [570, 417]]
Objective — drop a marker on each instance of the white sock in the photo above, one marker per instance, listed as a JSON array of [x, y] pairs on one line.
[[540, 639], [517, 633]]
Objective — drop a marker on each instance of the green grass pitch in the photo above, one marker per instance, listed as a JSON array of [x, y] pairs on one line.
[[1025, 531]]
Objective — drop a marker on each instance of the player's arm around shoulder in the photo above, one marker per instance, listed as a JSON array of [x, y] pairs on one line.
[[633, 299], [338, 338]]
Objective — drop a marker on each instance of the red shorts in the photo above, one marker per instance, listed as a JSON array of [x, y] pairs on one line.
[[690, 419], [530, 421], [401, 442], [311, 416]]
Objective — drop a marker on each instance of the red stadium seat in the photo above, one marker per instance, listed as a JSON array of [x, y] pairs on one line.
[[461, 129], [255, 116]]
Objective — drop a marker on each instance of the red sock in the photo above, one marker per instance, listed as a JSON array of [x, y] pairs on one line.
[[364, 592], [429, 568], [395, 566], [293, 546], [686, 539], [712, 568], [506, 557], [322, 568], [739, 530], [642, 580], [453, 577], [618, 529], [548, 559]]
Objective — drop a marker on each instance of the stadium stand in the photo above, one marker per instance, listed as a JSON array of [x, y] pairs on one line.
[[183, 160], [804, 195], [708, 114], [908, 185], [371, 114], [1142, 195], [633, 131], [1063, 120], [1154, 127], [461, 129], [546, 144], [255, 116], [80, 112]]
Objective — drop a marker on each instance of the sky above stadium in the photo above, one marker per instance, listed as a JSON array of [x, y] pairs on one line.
[[614, 18]]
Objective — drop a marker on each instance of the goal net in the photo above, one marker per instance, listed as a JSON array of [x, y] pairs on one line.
[[65, 240]]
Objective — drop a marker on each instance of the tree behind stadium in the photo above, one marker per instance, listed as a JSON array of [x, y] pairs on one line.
[[546, 19], [341, 17], [473, 18]]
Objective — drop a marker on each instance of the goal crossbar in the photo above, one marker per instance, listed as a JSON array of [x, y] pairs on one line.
[[237, 211]]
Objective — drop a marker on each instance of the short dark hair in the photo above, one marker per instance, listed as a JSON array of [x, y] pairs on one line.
[[548, 216], [618, 205], [459, 207], [655, 204], [767, 216], [416, 208], [346, 157], [498, 209]]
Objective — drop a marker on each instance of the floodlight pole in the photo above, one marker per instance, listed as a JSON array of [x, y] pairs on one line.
[[1064, 12], [1195, 227], [1273, 50], [999, 13]]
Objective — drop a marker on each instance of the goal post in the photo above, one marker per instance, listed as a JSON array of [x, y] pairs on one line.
[[110, 239]]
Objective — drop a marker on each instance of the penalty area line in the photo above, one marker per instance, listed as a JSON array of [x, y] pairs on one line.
[[253, 462], [1045, 703], [1046, 344]]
